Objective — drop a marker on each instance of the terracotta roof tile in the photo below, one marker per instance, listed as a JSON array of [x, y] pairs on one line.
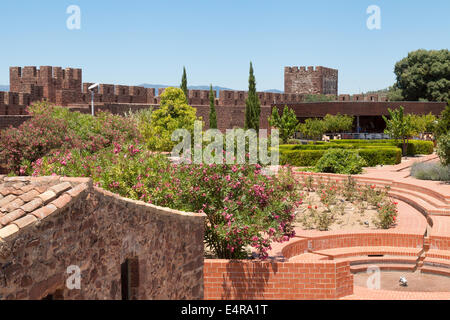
[[60, 188], [25, 221], [32, 205], [30, 195], [10, 217], [25, 200]]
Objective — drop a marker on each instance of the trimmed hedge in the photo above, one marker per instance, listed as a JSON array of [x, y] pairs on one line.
[[383, 156], [301, 158], [414, 146], [373, 156]]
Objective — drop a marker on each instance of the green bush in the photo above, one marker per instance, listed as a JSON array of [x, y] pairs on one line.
[[431, 171], [384, 156], [243, 206], [443, 149], [340, 161], [300, 158], [296, 156], [418, 147]]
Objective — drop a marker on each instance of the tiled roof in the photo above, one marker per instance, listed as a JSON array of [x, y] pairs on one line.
[[25, 200]]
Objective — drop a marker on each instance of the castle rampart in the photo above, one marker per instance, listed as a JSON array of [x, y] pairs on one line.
[[65, 87]]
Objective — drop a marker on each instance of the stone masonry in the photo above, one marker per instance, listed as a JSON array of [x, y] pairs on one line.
[[124, 249]]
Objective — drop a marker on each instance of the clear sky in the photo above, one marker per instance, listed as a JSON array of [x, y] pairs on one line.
[[144, 41]]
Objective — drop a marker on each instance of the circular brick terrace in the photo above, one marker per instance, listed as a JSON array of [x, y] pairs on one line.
[[419, 242]]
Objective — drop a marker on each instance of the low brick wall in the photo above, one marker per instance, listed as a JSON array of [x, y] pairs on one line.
[[363, 239], [103, 233], [250, 280], [440, 242]]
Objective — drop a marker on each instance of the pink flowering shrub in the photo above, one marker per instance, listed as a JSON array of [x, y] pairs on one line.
[[244, 208], [55, 128]]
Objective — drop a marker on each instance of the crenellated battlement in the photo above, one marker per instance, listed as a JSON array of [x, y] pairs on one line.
[[362, 98]]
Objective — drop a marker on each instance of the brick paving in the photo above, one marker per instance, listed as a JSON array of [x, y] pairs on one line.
[[424, 209]]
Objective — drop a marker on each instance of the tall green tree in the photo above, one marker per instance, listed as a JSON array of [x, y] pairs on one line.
[[212, 110], [399, 126], [424, 75], [312, 128], [443, 123], [252, 104], [184, 85], [338, 123], [286, 124]]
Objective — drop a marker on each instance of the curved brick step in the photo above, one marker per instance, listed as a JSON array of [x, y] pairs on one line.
[[436, 270], [435, 202], [436, 262], [339, 253], [438, 254], [418, 188], [385, 259], [386, 267], [418, 203], [307, 256]]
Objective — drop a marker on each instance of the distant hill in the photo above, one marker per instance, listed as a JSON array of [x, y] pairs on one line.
[[273, 91], [4, 88], [157, 86], [217, 88]]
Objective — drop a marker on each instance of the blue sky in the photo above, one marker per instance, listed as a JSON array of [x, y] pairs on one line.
[[132, 42]]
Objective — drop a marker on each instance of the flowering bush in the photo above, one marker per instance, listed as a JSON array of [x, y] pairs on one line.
[[386, 214], [243, 206], [56, 128]]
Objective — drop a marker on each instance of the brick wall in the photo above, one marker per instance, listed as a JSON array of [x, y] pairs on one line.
[[249, 280], [98, 231], [362, 108], [15, 121], [360, 239]]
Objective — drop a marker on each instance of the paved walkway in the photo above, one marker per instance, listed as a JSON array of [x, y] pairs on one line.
[[362, 293]]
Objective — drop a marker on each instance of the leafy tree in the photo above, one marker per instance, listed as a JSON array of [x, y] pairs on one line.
[[184, 86], [394, 94], [399, 126], [424, 75], [312, 128], [252, 104], [443, 149], [422, 123], [174, 113], [338, 123], [443, 124], [286, 124], [212, 111]]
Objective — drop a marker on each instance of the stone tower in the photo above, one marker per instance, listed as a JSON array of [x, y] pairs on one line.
[[304, 80]]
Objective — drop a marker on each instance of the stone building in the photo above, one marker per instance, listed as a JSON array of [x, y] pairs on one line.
[[63, 238]]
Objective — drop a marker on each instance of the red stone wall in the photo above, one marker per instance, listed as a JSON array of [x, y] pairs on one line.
[[319, 80], [249, 280], [362, 108]]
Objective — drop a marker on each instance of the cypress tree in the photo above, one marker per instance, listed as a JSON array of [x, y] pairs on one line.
[[212, 111], [183, 85], [252, 104]]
